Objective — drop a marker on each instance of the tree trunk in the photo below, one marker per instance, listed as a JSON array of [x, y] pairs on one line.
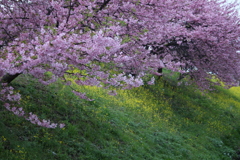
[[8, 78], [160, 70]]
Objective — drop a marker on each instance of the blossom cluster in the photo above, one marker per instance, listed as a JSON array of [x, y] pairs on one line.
[[12, 100]]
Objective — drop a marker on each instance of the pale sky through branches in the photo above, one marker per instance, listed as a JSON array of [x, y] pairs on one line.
[[233, 1]]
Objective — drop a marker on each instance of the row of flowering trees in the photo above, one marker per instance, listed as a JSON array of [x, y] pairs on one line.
[[109, 41]]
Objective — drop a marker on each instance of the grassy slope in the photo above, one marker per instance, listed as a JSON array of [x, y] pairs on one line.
[[151, 122]]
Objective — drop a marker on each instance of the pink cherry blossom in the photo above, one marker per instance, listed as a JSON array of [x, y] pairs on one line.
[[87, 39]]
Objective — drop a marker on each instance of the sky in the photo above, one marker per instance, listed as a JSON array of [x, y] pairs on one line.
[[230, 0], [233, 1]]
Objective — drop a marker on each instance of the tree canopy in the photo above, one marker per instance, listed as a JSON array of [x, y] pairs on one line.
[[116, 43]]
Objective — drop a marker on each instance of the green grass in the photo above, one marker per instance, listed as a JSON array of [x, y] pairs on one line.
[[159, 122]]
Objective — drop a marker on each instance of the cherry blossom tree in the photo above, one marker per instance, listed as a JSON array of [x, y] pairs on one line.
[[106, 42]]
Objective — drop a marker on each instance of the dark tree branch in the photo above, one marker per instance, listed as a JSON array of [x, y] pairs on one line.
[[104, 4], [69, 11], [8, 78]]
